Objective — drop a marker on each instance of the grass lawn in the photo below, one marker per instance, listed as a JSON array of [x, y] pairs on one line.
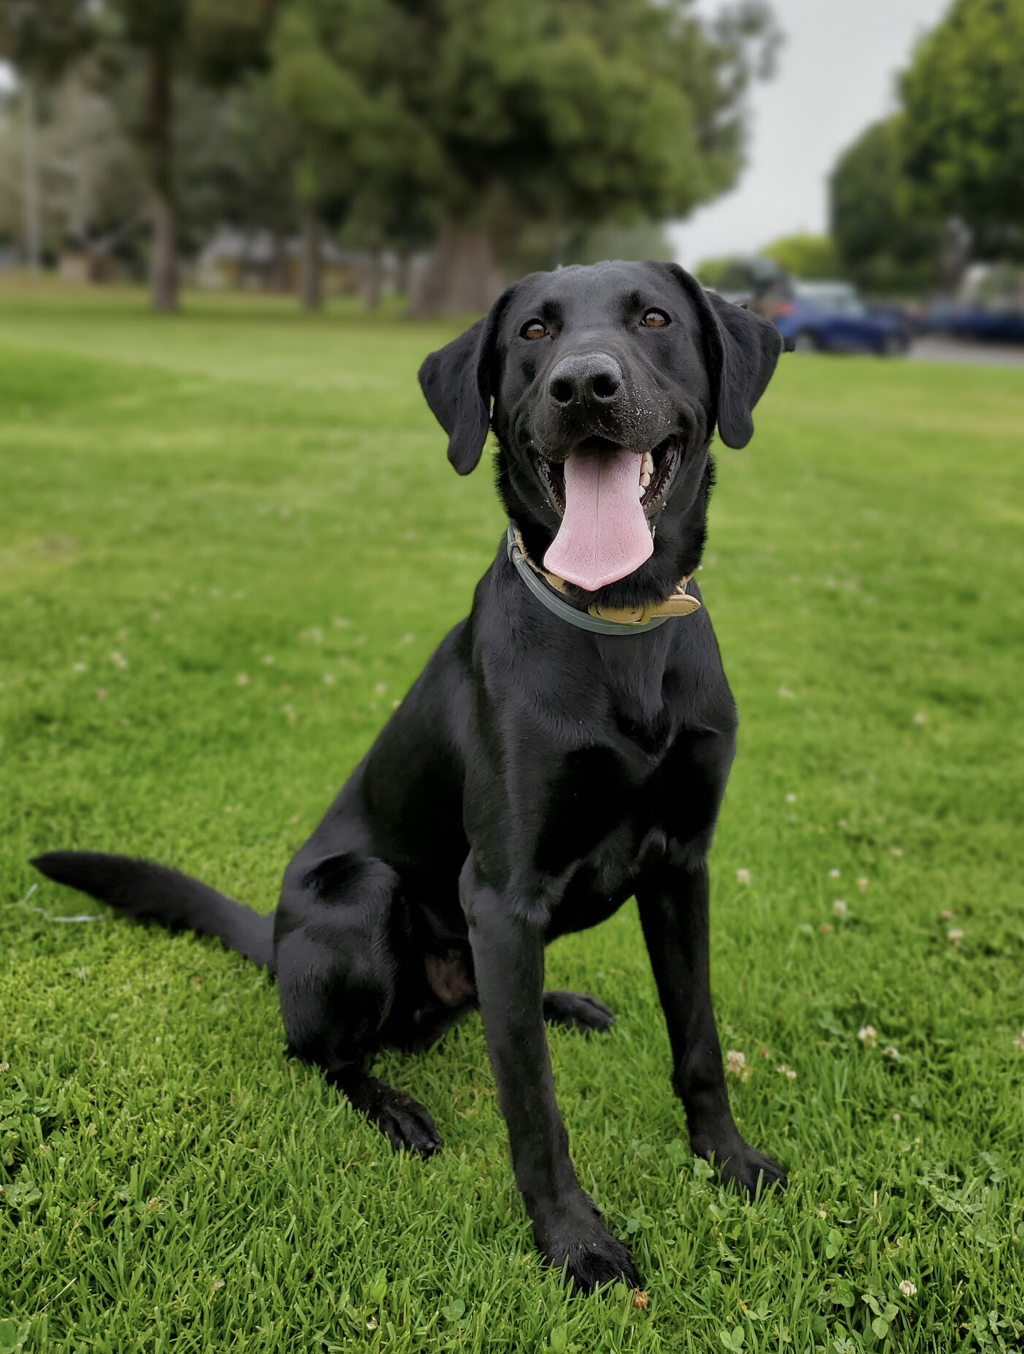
[[228, 542]]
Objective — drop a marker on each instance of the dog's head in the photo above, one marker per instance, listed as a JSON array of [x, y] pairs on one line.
[[603, 385]]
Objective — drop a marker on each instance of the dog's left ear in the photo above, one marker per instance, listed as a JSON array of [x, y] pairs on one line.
[[458, 382], [743, 348]]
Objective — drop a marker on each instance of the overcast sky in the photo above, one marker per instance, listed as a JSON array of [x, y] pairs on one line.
[[835, 74]]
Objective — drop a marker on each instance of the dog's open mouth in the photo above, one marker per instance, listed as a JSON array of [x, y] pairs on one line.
[[605, 494], [655, 471]]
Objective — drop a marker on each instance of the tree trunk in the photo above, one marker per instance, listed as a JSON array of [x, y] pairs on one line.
[[954, 254], [310, 272], [277, 275], [158, 142], [373, 280], [403, 272], [30, 172], [460, 277], [163, 265]]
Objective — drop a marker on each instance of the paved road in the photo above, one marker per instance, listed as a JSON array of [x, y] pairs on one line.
[[951, 350]]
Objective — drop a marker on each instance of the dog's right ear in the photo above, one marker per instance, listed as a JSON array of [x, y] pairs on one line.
[[458, 383]]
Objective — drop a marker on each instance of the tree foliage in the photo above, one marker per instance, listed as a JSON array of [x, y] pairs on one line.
[[576, 113], [886, 239], [42, 37], [737, 273], [811, 257], [472, 121], [483, 119], [606, 108], [159, 40], [963, 132]]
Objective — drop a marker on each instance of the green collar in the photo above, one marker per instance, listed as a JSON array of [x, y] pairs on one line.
[[599, 620]]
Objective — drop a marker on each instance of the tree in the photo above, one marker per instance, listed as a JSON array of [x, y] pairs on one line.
[[92, 198], [963, 130], [575, 113], [811, 257], [738, 274], [339, 74], [248, 182], [886, 242], [40, 38], [210, 39]]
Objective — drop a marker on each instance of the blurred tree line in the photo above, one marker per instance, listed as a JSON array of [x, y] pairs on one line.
[[922, 193], [941, 180], [499, 134]]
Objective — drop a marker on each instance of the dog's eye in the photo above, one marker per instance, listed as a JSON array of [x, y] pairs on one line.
[[655, 319], [533, 330]]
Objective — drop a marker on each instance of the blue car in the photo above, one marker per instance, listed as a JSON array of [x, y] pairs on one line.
[[985, 324], [832, 317]]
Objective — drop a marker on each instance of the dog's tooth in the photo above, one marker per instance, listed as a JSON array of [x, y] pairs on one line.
[[645, 479]]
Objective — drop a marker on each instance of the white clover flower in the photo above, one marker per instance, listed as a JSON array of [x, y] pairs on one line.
[[736, 1064], [743, 876], [908, 1289], [840, 908], [867, 1034], [734, 1058]]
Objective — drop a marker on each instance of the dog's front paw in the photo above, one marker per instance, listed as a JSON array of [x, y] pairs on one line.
[[752, 1170], [586, 1252]]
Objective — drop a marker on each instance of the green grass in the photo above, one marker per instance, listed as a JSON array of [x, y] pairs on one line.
[[242, 491]]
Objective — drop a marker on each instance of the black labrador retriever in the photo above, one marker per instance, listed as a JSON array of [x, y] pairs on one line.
[[566, 747]]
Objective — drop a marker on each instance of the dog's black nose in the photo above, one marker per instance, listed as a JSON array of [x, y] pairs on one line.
[[587, 378]]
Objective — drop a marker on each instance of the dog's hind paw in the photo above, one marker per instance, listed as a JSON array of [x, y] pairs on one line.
[[578, 1011], [408, 1126], [405, 1123]]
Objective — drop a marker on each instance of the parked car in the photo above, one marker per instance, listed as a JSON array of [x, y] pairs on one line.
[[986, 323], [832, 317]]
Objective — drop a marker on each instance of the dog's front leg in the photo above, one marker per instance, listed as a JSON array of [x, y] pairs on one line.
[[508, 959], [674, 915]]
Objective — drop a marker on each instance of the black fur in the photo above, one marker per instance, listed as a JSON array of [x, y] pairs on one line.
[[536, 775]]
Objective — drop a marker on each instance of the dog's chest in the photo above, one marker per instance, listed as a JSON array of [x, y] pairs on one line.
[[600, 882], [601, 826]]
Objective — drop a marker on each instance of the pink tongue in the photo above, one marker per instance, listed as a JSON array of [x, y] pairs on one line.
[[604, 534]]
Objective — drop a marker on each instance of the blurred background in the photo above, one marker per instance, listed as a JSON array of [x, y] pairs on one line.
[[855, 172]]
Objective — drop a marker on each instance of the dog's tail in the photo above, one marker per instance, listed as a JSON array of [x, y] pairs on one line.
[[145, 890]]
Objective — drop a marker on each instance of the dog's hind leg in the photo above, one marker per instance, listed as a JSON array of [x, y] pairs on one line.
[[337, 955]]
